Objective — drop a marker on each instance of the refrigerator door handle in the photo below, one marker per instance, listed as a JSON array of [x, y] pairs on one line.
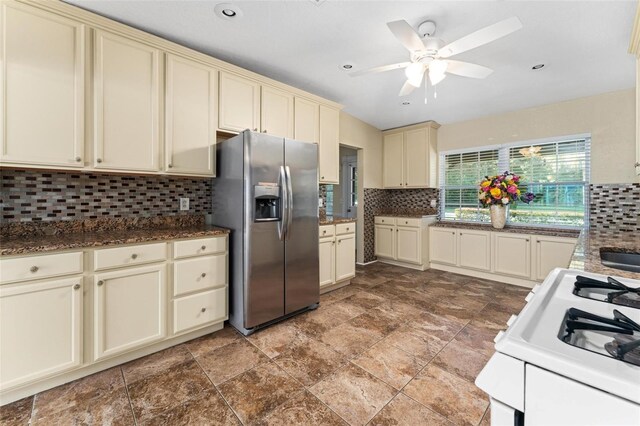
[[282, 224], [289, 203]]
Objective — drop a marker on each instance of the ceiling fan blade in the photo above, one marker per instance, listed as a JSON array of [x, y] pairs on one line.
[[380, 69], [407, 88], [480, 37], [406, 35], [466, 69]]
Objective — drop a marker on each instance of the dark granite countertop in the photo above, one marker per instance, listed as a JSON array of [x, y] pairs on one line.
[[407, 212], [16, 245], [334, 220], [553, 232]]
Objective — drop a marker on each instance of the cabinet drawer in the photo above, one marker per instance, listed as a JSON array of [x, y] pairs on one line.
[[199, 309], [385, 220], [129, 256], [345, 228], [408, 221], [36, 267], [199, 273], [327, 231], [199, 247]]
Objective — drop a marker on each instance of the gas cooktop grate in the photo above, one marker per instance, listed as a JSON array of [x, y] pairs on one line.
[[611, 291]]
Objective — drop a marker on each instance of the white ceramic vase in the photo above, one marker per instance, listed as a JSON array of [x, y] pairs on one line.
[[498, 216]]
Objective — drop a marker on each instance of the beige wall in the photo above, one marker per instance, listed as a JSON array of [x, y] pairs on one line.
[[358, 134], [610, 118]]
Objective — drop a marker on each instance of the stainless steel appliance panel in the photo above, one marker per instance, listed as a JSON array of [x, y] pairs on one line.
[[264, 249], [301, 240]]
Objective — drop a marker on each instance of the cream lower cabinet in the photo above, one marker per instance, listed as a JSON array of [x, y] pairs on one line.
[[474, 250], [512, 254], [43, 73], [129, 309], [337, 255], [549, 253], [402, 240], [443, 246], [40, 330]]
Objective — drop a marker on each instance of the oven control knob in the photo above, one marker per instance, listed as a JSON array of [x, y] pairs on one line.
[[498, 336], [529, 297], [535, 288], [511, 320]]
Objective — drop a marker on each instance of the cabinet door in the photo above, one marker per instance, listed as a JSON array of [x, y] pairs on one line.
[[385, 241], [329, 145], [126, 104], [409, 244], [306, 120], [190, 117], [129, 310], [276, 112], [42, 58], [512, 254], [345, 257], [393, 161], [40, 330], [638, 109], [327, 261], [443, 246], [474, 250], [239, 103], [416, 145], [550, 253]]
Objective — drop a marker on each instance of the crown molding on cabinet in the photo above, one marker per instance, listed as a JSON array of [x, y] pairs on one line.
[[634, 46], [430, 123]]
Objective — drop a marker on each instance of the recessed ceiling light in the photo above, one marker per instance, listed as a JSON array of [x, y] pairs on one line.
[[227, 11], [405, 103], [537, 67], [347, 66]]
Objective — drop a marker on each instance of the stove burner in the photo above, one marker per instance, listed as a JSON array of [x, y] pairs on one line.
[[612, 291], [593, 332]]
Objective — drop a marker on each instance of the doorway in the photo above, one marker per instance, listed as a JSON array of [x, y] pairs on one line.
[[345, 195]]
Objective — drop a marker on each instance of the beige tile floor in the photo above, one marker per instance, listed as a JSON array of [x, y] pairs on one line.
[[397, 347]]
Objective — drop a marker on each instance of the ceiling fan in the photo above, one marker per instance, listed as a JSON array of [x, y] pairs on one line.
[[432, 55]]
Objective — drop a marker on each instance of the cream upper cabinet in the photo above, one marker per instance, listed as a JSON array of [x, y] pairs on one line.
[[635, 49], [345, 256], [329, 145], [42, 62], [410, 157], [306, 120], [385, 241], [276, 112], [40, 330], [327, 257], [128, 309], [409, 244], [474, 249], [239, 103], [393, 161], [550, 253], [512, 254], [443, 246], [127, 108], [190, 116]]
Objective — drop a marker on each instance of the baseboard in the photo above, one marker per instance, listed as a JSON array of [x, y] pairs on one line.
[[520, 282], [69, 376], [405, 265], [335, 286], [366, 263]]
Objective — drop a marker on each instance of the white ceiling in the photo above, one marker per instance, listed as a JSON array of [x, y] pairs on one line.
[[583, 44]]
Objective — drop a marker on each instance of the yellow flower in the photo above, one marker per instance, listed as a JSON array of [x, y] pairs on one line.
[[496, 193], [485, 183]]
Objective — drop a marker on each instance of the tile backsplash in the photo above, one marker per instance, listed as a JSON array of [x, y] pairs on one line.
[[34, 195], [615, 207]]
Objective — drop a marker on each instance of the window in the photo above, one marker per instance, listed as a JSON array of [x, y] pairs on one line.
[[557, 172], [353, 185]]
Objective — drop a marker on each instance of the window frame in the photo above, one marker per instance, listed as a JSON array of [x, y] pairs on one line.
[[504, 164]]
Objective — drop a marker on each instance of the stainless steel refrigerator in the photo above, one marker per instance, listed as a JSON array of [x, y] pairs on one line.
[[266, 192]]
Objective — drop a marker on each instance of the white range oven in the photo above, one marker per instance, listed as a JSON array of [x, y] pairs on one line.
[[571, 357]]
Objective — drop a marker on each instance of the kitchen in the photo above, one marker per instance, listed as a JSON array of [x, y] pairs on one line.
[[199, 227]]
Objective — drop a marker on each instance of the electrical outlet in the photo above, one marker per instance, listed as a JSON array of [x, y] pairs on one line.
[[433, 203], [184, 204], [319, 202]]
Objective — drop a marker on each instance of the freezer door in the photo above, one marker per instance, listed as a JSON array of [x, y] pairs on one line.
[[302, 285], [264, 249]]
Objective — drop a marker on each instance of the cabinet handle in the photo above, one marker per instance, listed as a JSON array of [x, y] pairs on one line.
[[264, 131], [454, 232], [203, 248], [538, 242], [76, 287], [134, 256], [382, 220], [324, 232], [203, 274], [98, 160], [527, 240], [255, 129], [406, 183], [78, 159], [347, 229], [400, 183], [397, 230], [339, 241], [203, 309], [170, 165], [406, 223], [100, 282], [333, 243], [34, 269], [321, 177]]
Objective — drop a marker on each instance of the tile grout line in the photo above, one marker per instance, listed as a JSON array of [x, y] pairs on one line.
[[126, 388], [33, 407]]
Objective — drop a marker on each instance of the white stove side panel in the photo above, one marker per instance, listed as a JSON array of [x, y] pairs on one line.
[[551, 399]]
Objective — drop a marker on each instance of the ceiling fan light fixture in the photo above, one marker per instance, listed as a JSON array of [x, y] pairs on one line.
[[436, 78], [414, 73], [438, 67]]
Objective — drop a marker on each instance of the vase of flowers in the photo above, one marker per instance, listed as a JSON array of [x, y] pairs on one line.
[[498, 192]]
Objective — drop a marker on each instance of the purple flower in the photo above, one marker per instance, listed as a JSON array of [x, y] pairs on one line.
[[527, 197]]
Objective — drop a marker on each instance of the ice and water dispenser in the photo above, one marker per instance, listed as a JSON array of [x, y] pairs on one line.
[[266, 198]]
